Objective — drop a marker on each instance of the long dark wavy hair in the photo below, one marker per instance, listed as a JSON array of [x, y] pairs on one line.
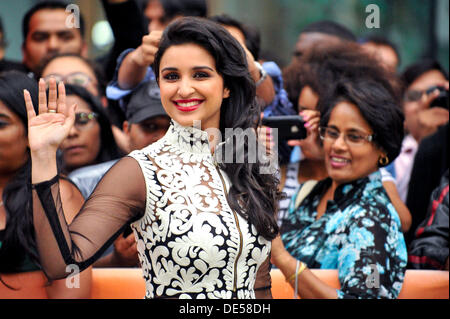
[[18, 241], [253, 195]]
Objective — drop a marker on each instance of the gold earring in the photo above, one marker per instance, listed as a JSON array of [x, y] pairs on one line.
[[383, 161]]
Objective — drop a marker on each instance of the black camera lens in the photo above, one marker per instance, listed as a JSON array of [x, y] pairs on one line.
[[442, 99]]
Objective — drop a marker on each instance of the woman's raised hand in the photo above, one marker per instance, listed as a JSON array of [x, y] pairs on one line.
[[51, 126]]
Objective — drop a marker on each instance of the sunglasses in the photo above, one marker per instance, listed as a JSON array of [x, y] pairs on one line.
[[416, 95], [75, 78], [83, 119]]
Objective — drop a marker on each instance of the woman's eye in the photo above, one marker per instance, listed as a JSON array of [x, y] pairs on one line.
[[333, 134], [199, 75], [171, 76], [354, 137]]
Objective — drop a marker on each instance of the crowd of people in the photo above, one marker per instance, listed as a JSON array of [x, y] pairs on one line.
[[123, 161]]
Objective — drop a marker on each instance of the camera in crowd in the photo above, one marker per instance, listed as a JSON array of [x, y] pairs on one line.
[[442, 99], [290, 127]]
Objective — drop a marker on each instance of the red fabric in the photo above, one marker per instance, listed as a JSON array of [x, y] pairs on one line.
[[436, 203], [425, 260]]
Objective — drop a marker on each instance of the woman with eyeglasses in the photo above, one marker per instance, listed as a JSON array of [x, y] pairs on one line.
[[307, 90], [19, 258], [90, 140], [347, 221]]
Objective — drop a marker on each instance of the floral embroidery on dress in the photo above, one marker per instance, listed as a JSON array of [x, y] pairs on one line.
[[190, 243]]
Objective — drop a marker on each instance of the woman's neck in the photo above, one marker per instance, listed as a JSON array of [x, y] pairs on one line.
[[311, 170]]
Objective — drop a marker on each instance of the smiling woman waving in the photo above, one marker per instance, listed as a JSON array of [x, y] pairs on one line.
[[203, 226]]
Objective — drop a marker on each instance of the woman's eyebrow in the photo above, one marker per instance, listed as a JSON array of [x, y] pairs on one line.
[[169, 69], [200, 67], [203, 67]]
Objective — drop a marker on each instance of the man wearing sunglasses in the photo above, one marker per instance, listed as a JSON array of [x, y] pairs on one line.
[[424, 155], [422, 119]]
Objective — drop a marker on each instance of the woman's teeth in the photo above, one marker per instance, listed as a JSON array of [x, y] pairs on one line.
[[189, 104], [339, 160]]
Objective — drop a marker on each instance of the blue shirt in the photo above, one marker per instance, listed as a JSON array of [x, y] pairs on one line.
[[280, 104], [359, 234], [114, 92]]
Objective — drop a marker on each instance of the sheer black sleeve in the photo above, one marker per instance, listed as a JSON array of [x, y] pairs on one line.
[[118, 199]]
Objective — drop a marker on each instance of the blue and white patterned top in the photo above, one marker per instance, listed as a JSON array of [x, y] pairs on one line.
[[359, 229]]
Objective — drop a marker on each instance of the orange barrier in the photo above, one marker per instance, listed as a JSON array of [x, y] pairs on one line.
[[28, 285], [418, 284], [117, 283], [127, 283], [282, 290]]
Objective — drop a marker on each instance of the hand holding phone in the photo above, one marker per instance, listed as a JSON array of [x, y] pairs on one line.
[[291, 127]]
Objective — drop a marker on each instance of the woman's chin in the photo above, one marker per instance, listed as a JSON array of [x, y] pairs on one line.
[[188, 122]]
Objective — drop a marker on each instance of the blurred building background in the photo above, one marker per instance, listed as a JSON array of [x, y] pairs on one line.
[[418, 27]]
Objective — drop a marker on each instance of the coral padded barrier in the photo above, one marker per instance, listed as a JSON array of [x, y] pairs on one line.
[[117, 283], [27, 285], [127, 283], [418, 284]]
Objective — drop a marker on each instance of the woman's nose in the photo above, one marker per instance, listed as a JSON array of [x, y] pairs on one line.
[[185, 88], [73, 131], [340, 142]]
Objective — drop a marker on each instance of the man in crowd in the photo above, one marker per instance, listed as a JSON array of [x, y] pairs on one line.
[[49, 29]]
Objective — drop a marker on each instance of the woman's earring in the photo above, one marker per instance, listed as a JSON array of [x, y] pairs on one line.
[[226, 93], [383, 160]]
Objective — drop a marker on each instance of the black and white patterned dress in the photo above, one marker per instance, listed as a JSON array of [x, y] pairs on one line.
[[191, 244]]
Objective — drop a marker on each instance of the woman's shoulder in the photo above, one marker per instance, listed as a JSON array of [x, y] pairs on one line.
[[375, 206]]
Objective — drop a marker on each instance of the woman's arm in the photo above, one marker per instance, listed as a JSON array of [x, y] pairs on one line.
[[263, 281], [118, 199], [399, 205], [309, 285], [72, 200], [134, 67]]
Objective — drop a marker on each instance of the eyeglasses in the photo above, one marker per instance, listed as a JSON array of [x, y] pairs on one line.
[[84, 120], [416, 95], [413, 95], [352, 139], [75, 78]]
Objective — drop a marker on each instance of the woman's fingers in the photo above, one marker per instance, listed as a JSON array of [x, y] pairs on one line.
[[42, 97], [52, 96], [131, 239], [61, 104], [313, 124], [29, 104], [70, 117]]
